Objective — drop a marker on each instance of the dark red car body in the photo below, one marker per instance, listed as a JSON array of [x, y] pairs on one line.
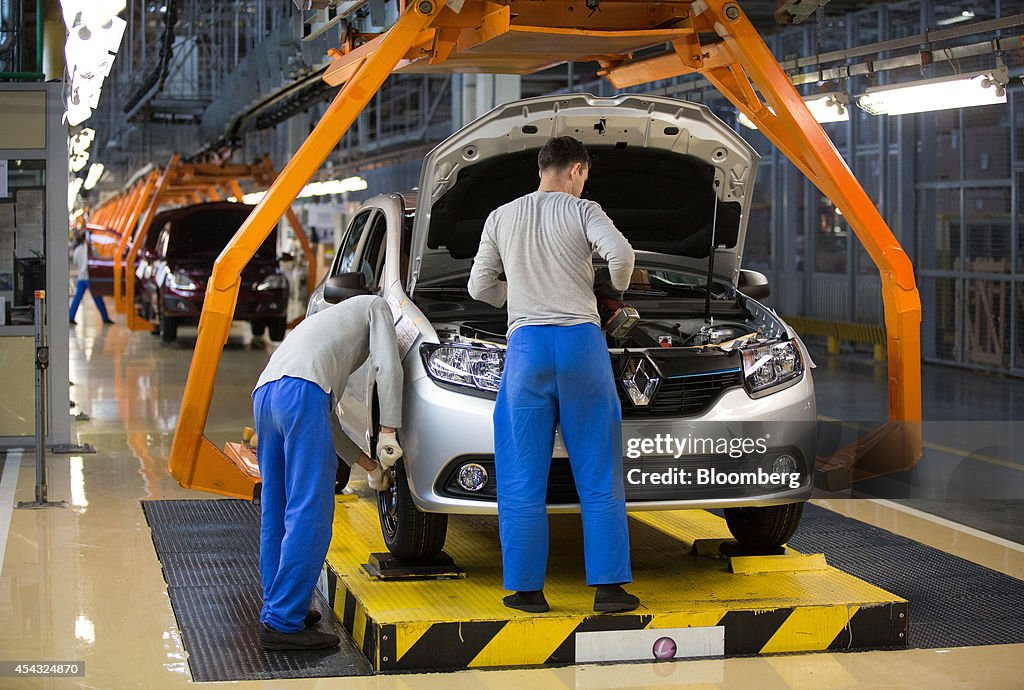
[[177, 260]]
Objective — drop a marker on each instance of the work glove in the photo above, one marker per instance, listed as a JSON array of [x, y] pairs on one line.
[[388, 450], [379, 479]]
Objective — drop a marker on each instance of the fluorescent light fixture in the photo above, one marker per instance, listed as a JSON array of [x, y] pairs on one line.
[[81, 142], [829, 107], [93, 13], [77, 163], [74, 187], [825, 107], [94, 36], [349, 184], [956, 18], [77, 113], [944, 93], [93, 178]]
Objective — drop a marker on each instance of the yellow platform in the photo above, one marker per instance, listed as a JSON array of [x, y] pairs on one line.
[[692, 605]]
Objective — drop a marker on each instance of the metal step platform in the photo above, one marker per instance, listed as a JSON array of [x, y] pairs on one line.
[[695, 601]]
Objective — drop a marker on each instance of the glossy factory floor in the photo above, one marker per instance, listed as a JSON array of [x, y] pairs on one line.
[[84, 583]]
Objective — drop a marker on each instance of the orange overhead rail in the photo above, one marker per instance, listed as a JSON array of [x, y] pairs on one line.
[[710, 37], [177, 184], [126, 226]]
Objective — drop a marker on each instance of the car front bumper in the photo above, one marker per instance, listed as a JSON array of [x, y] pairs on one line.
[[250, 305], [445, 428]]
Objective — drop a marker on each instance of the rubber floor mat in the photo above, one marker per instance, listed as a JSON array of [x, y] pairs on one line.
[[209, 552], [953, 602]]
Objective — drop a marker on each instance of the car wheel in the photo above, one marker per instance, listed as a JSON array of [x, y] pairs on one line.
[[409, 533], [764, 528], [341, 478], [258, 328], [277, 328], [168, 329]]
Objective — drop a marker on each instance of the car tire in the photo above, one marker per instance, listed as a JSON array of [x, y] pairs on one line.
[[767, 527], [168, 329], [258, 328], [409, 533], [277, 328], [342, 475]]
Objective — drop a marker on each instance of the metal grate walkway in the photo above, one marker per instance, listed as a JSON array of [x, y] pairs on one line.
[[209, 551]]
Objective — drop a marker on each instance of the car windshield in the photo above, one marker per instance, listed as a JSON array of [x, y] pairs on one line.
[[205, 232]]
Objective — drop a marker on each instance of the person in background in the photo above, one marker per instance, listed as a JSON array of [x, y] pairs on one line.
[[80, 258]]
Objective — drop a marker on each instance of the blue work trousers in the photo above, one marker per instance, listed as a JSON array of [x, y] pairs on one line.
[[559, 375], [297, 466], [80, 287]]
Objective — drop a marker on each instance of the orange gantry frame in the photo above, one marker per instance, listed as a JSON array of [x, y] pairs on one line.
[[710, 37], [131, 214]]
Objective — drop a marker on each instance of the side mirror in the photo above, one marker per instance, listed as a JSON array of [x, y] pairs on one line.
[[754, 284], [343, 286]]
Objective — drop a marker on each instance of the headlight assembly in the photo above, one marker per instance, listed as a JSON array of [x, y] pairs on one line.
[[464, 365], [767, 368], [179, 280], [275, 281]]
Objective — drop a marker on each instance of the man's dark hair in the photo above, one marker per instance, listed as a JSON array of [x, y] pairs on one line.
[[562, 152]]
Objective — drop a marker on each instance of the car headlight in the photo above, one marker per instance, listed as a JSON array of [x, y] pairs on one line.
[[181, 281], [464, 365], [767, 367], [275, 281]]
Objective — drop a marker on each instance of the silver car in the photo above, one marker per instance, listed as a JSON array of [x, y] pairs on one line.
[[717, 398]]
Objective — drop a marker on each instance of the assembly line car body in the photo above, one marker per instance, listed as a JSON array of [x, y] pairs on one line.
[[721, 395], [177, 259]]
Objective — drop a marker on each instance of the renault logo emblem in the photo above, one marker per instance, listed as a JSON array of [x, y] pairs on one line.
[[640, 381]]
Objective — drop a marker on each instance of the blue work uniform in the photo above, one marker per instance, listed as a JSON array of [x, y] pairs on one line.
[[557, 373], [80, 257], [293, 407]]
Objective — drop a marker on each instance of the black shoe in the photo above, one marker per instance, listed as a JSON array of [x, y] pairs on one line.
[[531, 602], [108, 322], [73, 323], [303, 639], [312, 617], [614, 599]]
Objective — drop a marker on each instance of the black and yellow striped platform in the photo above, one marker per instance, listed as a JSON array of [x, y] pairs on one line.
[[692, 605]]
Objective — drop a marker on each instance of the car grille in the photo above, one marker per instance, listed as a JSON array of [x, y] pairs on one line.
[[682, 396]]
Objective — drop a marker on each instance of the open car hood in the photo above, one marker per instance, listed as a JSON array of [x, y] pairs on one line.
[[654, 164]]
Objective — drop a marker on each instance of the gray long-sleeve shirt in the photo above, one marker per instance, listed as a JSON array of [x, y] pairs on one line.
[[329, 345], [544, 242]]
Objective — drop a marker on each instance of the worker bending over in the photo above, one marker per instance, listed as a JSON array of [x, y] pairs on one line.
[[293, 403], [557, 372]]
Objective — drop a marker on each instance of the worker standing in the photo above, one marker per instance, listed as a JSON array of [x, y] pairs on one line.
[[80, 257], [557, 372], [293, 403]]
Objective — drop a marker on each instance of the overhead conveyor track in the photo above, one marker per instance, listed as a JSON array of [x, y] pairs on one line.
[[710, 37]]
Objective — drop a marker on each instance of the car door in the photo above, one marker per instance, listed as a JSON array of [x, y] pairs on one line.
[[344, 258], [368, 259], [101, 243]]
